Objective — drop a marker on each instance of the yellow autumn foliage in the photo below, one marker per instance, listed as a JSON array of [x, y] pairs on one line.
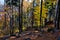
[[37, 13]]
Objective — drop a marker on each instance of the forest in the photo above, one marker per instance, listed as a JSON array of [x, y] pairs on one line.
[[22, 15]]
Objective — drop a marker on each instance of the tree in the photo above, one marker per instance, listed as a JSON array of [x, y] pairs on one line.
[[12, 2], [20, 15], [37, 15], [57, 17]]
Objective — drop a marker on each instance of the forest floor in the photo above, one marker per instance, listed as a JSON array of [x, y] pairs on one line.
[[36, 35]]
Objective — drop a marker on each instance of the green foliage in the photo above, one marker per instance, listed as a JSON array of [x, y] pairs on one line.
[[12, 2]]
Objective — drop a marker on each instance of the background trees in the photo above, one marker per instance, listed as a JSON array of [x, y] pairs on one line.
[[12, 2], [23, 11]]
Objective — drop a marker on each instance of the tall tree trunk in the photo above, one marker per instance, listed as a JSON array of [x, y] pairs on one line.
[[57, 19], [41, 13], [58, 14], [33, 14], [20, 15], [11, 19]]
